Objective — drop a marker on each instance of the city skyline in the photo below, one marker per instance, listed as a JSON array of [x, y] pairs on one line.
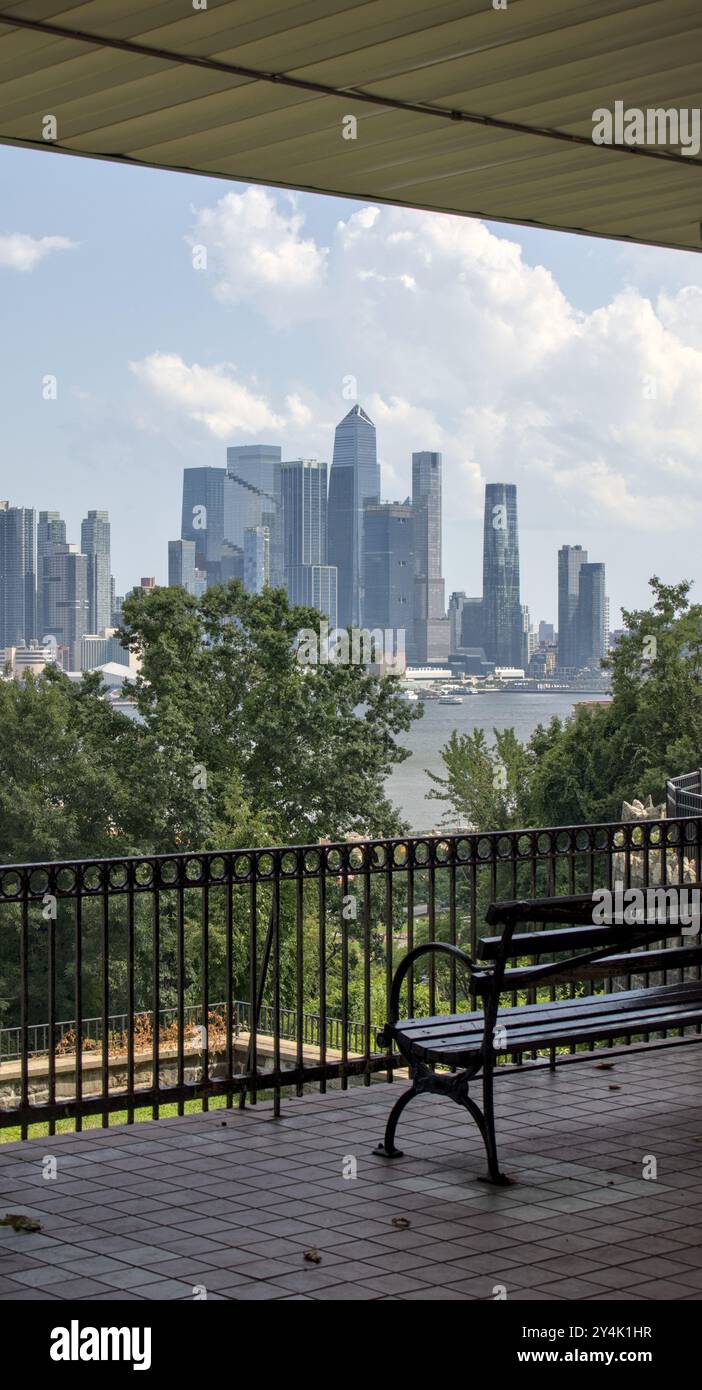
[[597, 423]]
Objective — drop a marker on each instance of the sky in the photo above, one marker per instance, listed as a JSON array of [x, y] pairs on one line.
[[181, 314]]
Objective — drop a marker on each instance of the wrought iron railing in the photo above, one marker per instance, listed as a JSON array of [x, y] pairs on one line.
[[684, 794], [283, 932]]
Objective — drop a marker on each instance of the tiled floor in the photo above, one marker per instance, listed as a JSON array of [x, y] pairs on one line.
[[226, 1205]]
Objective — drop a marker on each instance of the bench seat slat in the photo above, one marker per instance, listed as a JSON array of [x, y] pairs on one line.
[[554, 1009], [628, 963], [553, 1035]]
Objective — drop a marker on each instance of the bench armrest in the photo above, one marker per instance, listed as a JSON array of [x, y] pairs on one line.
[[406, 965]]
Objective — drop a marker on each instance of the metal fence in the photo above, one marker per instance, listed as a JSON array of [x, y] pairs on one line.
[[684, 794], [278, 935], [38, 1037]]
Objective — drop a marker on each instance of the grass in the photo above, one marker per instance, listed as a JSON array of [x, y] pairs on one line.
[[118, 1117]]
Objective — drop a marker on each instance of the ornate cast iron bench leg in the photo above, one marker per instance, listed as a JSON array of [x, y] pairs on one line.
[[387, 1147]]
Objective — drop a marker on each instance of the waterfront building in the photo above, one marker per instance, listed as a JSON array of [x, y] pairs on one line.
[[353, 481], [502, 617]]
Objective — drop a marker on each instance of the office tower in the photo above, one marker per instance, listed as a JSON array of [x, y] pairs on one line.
[[388, 566], [546, 632], [455, 615], [606, 624], [591, 616], [256, 559], [431, 626], [472, 634], [354, 480], [502, 619], [303, 490], [51, 531], [203, 517], [95, 543], [181, 565], [18, 576], [314, 586], [96, 650], [525, 653], [67, 599], [117, 610], [147, 581], [571, 559], [252, 498]]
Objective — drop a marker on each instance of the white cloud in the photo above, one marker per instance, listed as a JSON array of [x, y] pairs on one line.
[[256, 250], [18, 251], [211, 396]]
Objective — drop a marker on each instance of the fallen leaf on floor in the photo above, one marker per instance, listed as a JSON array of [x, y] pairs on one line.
[[615, 1088], [19, 1222], [603, 1066], [313, 1257], [402, 1222]]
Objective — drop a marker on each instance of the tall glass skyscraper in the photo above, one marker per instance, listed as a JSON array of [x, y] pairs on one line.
[[431, 626], [256, 559], [181, 565], [354, 479], [67, 599], [252, 499], [203, 517], [95, 543], [571, 559], [502, 616], [592, 639], [51, 531], [388, 565], [304, 517], [18, 576]]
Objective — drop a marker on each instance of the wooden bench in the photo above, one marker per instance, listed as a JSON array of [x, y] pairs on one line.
[[585, 951]]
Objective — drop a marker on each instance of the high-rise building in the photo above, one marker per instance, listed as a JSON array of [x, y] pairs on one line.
[[354, 480], [431, 626], [95, 543], [181, 565], [67, 599], [388, 566], [472, 635], [18, 576], [455, 614], [314, 586], [252, 498], [592, 643], [502, 618], [256, 559], [51, 531], [203, 517], [571, 559], [546, 632]]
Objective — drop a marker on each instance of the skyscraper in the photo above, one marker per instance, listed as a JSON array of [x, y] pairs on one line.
[[303, 487], [571, 559], [431, 627], [67, 599], [51, 531], [252, 498], [592, 643], [203, 517], [502, 617], [95, 543], [181, 565], [18, 576], [354, 480], [388, 566]]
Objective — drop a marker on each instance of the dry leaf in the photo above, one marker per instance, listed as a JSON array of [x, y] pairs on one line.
[[18, 1222], [313, 1257], [402, 1222]]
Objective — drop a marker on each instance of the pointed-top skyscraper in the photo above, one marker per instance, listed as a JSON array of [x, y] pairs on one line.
[[354, 479]]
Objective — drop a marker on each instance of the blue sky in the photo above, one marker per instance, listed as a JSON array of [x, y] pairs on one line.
[[567, 365]]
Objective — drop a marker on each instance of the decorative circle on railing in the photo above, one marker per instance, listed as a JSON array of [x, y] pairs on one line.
[[503, 847], [465, 851], [312, 861], [443, 849], [217, 867], [66, 881], [525, 846], [169, 873], [288, 864], [400, 855], [672, 833], [483, 848], [691, 832], [620, 839], [356, 858], [563, 842], [265, 865], [583, 840], [601, 840], [144, 873], [117, 875], [11, 884], [38, 883], [92, 879], [335, 862], [378, 856], [242, 867], [422, 854], [544, 843]]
